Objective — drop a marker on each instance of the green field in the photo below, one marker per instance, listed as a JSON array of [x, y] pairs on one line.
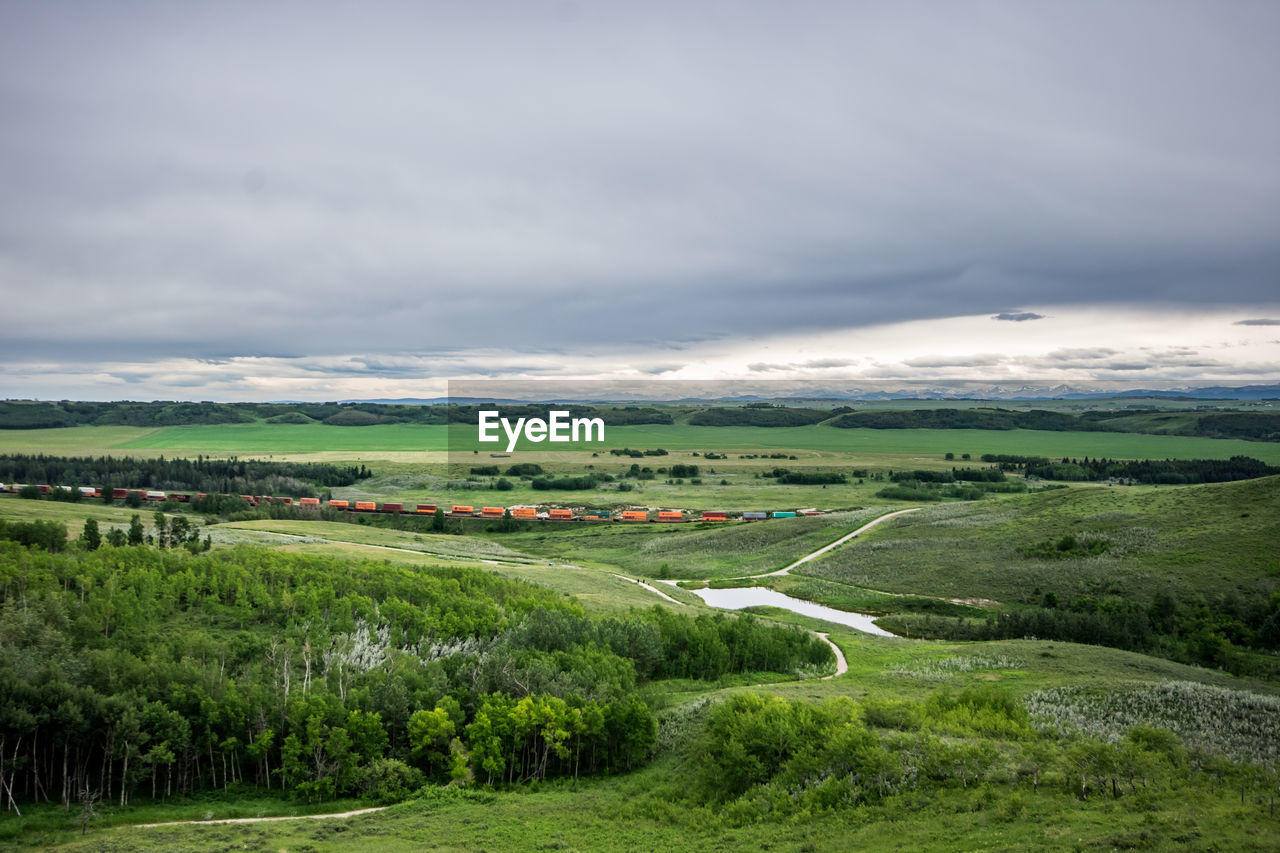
[[1185, 540], [1208, 546], [707, 550], [372, 442]]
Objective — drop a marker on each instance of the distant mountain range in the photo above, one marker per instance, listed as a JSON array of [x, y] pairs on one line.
[[853, 393]]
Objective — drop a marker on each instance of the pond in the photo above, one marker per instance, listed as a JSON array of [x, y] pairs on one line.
[[754, 596]]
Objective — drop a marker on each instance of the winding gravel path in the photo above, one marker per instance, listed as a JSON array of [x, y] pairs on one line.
[[265, 819], [843, 539]]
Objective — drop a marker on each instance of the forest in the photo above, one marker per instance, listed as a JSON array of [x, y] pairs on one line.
[[202, 474], [139, 672], [1145, 471]]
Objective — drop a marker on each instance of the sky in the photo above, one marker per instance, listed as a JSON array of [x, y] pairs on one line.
[[318, 201]]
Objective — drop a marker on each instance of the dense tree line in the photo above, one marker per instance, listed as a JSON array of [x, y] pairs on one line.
[[1263, 426], [811, 478], [1224, 633], [67, 413], [772, 416], [611, 415], [1000, 419], [1146, 471], [133, 671], [228, 476], [588, 481], [1258, 426]]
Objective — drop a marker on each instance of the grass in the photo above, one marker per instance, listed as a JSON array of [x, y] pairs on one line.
[[631, 811], [393, 440], [623, 814], [1187, 540], [703, 550], [596, 588]]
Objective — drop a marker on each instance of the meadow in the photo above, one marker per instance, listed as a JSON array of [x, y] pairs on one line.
[[1183, 540], [952, 775], [389, 440]]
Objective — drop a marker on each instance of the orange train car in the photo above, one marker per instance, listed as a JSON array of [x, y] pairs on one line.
[[670, 515], [492, 512], [309, 503], [714, 515], [339, 505], [635, 515], [524, 512], [366, 506], [560, 514], [426, 508], [462, 510]]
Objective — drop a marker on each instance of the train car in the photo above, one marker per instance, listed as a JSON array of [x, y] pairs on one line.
[[44, 490], [153, 495], [525, 512], [426, 508], [492, 512], [669, 515], [180, 497], [339, 505], [249, 499], [394, 508], [89, 492], [810, 512], [634, 515], [714, 515], [366, 506], [781, 514], [309, 503], [119, 494], [462, 510], [752, 515], [560, 515], [285, 501]]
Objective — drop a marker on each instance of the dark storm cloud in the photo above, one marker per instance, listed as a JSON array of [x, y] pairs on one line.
[[1018, 317], [214, 180], [1258, 322]]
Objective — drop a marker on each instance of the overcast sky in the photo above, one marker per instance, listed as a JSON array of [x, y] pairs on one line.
[[278, 200]]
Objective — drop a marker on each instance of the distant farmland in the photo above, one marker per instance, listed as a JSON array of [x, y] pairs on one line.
[[371, 441]]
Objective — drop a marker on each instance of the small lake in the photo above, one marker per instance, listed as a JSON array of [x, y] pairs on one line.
[[754, 596]]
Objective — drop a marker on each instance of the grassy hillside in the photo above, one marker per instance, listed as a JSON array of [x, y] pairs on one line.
[[1187, 540], [694, 551]]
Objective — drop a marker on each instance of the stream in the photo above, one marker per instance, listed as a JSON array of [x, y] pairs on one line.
[[737, 599]]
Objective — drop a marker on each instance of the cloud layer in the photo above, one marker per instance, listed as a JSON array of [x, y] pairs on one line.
[[375, 187]]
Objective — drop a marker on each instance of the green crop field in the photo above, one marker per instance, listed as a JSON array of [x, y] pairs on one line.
[[391, 440], [905, 442]]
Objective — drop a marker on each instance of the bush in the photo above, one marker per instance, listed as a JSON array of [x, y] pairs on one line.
[[389, 780], [353, 417]]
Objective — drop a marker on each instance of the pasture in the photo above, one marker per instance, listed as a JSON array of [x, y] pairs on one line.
[[819, 443]]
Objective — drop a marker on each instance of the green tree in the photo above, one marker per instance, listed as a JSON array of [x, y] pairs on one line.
[[91, 537], [137, 533]]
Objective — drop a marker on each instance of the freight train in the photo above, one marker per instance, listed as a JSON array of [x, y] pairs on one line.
[[524, 512]]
